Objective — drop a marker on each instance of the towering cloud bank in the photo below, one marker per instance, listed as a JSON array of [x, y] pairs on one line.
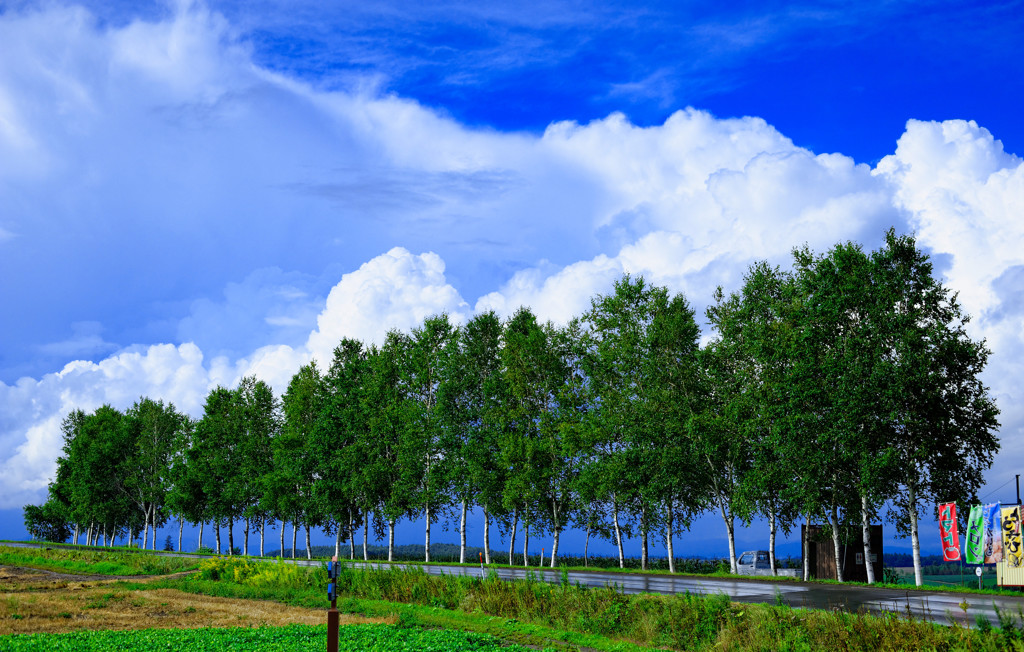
[[192, 218]]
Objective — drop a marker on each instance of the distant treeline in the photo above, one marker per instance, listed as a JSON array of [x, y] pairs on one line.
[[833, 391]]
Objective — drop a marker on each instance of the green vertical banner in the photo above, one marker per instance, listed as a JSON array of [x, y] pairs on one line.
[[974, 548], [1013, 552], [947, 529]]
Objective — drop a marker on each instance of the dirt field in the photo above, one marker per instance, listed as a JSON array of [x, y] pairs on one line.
[[34, 601]]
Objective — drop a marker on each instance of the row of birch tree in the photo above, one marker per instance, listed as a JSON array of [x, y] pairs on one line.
[[843, 390]]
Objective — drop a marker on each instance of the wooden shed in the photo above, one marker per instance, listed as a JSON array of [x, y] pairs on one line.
[[822, 557]]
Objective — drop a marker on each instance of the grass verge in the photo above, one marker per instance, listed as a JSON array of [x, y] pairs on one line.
[[94, 562]]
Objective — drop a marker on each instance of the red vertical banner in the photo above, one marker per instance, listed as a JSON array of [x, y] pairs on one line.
[[947, 530]]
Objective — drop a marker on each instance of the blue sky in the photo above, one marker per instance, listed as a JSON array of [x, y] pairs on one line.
[[192, 192]]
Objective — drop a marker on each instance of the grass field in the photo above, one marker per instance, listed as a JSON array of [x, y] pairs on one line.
[[232, 596], [968, 580], [87, 561]]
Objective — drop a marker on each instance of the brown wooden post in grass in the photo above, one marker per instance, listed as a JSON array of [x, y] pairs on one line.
[[332, 613]]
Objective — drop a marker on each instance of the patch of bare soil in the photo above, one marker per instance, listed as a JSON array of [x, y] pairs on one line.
[[33, 601]]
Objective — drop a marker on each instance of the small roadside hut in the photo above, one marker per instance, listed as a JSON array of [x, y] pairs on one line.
[[822, 557]]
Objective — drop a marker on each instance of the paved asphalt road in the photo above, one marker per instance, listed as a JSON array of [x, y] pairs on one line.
[[935, 606]]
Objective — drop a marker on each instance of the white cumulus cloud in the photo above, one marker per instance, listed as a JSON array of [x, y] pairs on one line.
[[396, 290], [146, 167]]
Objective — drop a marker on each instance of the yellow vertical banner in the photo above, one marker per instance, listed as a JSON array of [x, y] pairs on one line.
[[1013, 550]]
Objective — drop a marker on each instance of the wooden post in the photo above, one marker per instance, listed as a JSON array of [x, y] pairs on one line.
[[332, 613]]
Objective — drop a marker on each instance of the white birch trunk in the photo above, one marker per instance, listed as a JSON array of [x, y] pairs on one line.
[[309, 550], [669, 548], [772, 529], [834, 521], [181, 531], [730, 530], [915, 541], [554, 546], [426, 544], [202, 524], [806, 543], [643, 537], [366, 534], [512, 540], [487, 536], [351, 536], [391, 540], [618, 533], [526, 545], [295, 537], [586, 549], [866, 533], [462, 534], [337, 543]]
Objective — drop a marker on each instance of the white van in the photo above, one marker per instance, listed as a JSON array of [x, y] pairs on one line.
[[753, 561], [756, 562]]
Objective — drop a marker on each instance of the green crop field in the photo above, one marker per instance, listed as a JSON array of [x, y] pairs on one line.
[[294, 638]]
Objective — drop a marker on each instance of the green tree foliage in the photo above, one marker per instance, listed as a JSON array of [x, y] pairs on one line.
[[389, 416], [47, 522], [828, 392], [98, 475], [642, 369], [187, 496], [339, 439], [217, 455], [529, 441], [469, 422], [431, 358], [153, 429], [261, 424], [940, 434], [291, 487], [747, 366]]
